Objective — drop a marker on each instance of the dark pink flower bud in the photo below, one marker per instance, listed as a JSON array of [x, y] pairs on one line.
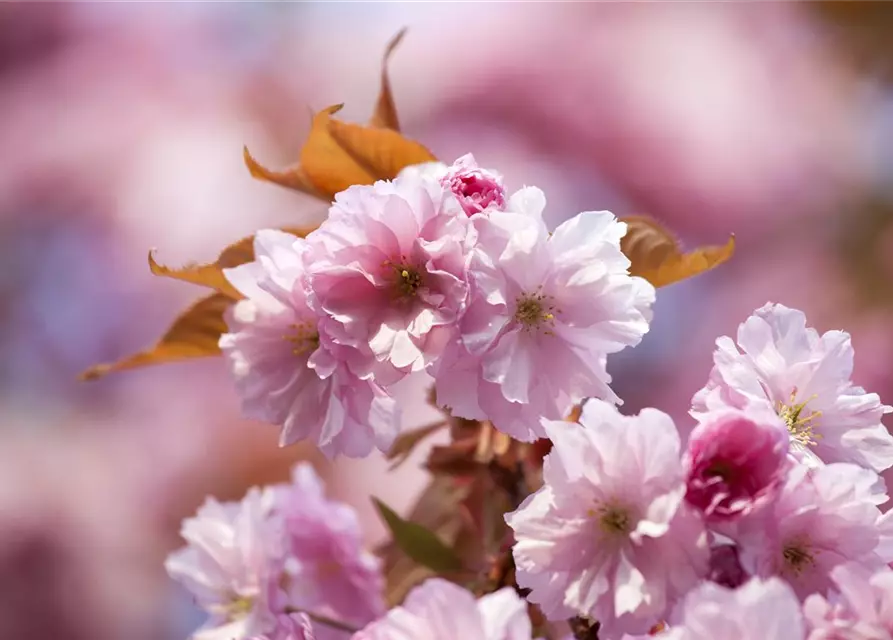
[[736, 461]]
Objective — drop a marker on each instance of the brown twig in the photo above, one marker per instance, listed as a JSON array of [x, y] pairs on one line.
[[584, 628]]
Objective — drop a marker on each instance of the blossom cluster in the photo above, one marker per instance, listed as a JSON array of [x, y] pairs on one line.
[[254, 564], [265, 567], [439, 271], [762, 520], [730, 533]]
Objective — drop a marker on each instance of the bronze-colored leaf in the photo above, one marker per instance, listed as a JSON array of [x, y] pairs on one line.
[[338, 155], [656, 255], [291, 177], [211, 274], [192, 335], [324, 168], [382, 153], [199, 327], [385, 114], [329, 167]]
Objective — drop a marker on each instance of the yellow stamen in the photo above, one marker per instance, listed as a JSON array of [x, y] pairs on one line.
[[406, 279], [535, 310], [797, 557], [304, 337], [238, 607], [801, 428], [613, 518]]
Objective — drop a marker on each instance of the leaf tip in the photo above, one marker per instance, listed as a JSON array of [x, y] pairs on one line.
[[254, 167], [154, 267], [394, 43], [381, 506], [729, 247], [93, 373]]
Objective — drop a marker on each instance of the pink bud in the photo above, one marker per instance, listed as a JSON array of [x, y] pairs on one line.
[[476, 189]]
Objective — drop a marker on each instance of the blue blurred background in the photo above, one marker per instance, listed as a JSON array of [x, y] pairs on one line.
[[122, 127]]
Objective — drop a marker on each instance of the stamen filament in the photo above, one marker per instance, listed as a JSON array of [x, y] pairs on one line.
[[802, 429]]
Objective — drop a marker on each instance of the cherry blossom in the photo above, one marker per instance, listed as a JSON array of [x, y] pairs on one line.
[[805, 377], [440, 610], [286, 373], [609, 535], [546, 309]]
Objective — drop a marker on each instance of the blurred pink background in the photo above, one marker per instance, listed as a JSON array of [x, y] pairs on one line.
[[122, 130]]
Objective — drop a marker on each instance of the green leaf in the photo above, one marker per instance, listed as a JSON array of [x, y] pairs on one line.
[[417, 542]]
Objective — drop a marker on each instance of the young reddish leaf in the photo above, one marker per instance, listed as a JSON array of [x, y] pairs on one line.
[[192, 335], [211, 274], [456, 459], [418, 543], [406, 442], [385, 114], [656, 255]]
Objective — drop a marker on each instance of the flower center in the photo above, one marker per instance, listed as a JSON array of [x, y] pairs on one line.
[[613, 519], [535, 310], [797, 556], [474, 187], [406, 279], [801, 427], [328, 569], [720, 469], [235, 608], [304, 338]]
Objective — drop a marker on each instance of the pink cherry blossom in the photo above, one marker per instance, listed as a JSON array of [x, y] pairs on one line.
[[462, 388], [609, 535], [805, 378], [281, 549], [545, 311], [475, 188], [329, 571], [235, 552], [822, 518], [758, 610], [861, 607], [290, 627], [388, 273], [441, 610], [286, 373], [528, 201], [736, 462], [424, 171]]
